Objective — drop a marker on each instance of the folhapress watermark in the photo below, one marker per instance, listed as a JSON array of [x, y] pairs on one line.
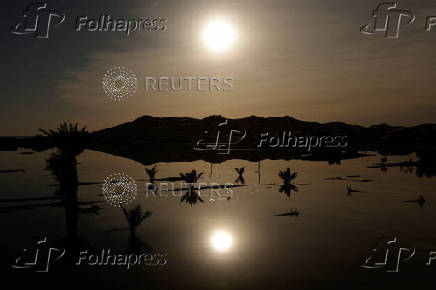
[[43, 256], [389, 20], [105, 23], [106, 258], [388, 255], [284, 140], [40, 259], [38, 20], [287, 140]]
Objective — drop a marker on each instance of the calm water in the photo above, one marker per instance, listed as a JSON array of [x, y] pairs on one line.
[[324, 246]]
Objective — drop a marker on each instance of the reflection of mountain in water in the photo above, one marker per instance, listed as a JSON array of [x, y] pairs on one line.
[[150, 140], [424, 166]]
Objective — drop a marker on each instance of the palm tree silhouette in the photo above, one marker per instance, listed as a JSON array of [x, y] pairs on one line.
[[68, 138], [286, 175], [287, 187], [135, 217], [420, 201], [240, 172], [151, 173], [70, 141], [290, 213], [350, 190], [64, 171], [192, 195]]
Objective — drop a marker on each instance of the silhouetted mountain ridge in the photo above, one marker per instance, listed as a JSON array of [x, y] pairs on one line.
[[149, 139]]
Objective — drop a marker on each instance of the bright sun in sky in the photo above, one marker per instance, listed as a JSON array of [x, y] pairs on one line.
[[221, 240], [218, 35]]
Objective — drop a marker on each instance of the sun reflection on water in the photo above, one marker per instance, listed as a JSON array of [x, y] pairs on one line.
[[221, 240]]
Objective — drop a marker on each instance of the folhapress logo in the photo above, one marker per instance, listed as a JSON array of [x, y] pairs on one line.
[[38, 20], [388, 255], [388, 20], [39, 258]]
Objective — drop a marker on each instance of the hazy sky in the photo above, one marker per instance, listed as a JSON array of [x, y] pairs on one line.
[[302, 58]]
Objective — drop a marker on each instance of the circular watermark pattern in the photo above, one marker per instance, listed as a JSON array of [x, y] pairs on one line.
[[119, 83], [119, 189]]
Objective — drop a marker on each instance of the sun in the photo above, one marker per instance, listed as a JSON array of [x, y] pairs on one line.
[[218, 35], [221, 240]]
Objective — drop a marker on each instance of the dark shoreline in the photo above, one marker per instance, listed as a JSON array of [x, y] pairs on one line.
[[149, 140]]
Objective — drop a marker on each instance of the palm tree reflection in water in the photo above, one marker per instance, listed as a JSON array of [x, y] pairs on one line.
[[135, 217], [70, 142], [192, 196], [287, 187]]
